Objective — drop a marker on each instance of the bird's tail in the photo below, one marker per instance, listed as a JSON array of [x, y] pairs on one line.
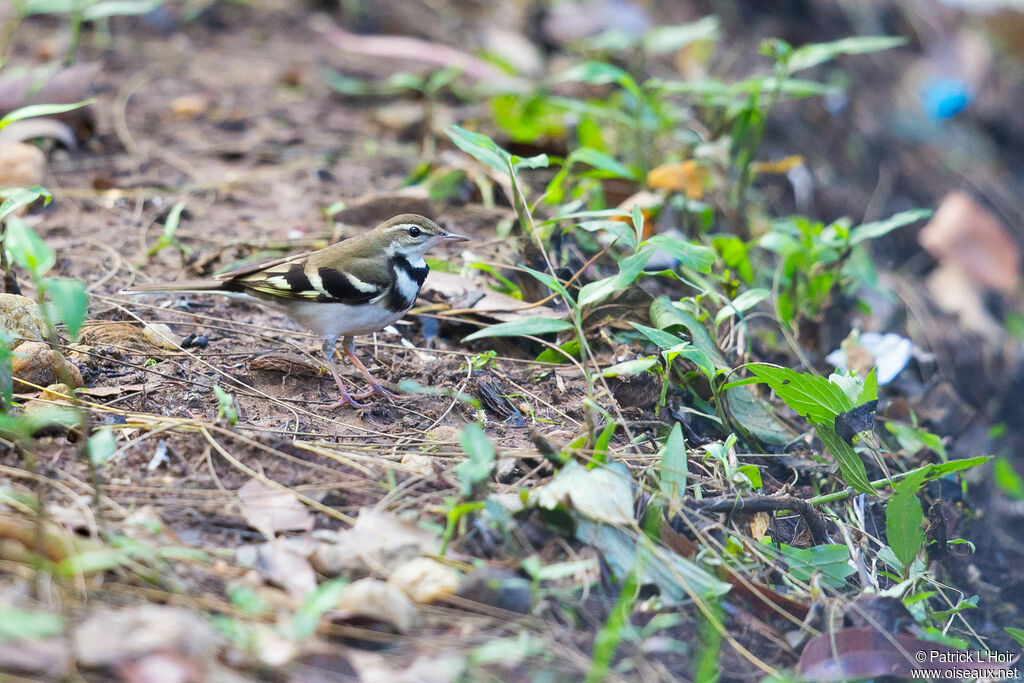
[[214, 286]]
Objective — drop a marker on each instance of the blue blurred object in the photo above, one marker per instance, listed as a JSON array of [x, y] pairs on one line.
[[944, 98]]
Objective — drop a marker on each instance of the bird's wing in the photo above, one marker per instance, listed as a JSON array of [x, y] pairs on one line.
[[306, 277]]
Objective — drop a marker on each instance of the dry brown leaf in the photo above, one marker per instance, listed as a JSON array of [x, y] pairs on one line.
[[425, 580], [965, 233], [270, 509], [377, 542], [377, 600], [689, 177], [21, 164], [783, 165], [282, 562], [759, 523], [110, 636]]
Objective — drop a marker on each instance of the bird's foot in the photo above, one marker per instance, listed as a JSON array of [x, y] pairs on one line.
[[377, 389]]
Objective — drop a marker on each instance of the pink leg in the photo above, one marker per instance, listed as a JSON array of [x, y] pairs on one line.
[[346, 398], [375, 388]]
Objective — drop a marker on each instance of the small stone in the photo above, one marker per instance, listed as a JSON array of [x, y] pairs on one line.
[[21, 164], [19, 317], [419, 465], [36, 363]]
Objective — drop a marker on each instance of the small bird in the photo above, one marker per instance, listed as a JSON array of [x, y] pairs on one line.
[[357, 286]]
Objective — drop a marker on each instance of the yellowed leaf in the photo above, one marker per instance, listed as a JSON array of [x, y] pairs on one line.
[[783, 165], [689, 177]]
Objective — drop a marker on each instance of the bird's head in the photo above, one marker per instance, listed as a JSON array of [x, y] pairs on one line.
[[411, 235]]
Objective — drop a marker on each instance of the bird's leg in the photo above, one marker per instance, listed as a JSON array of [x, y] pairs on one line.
[[346, 399], [349, 347]]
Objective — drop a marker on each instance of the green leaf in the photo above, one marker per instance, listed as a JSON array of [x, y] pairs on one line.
[[674, 467], [665, 315], [70, 302], [225, 405], [22, 624], [742, 303], [629, 270], [102, 445], [93, 561], [324, 598], [817, 53], [27, 248], [599, 73], [630, 368], [851, 467], [33, 110], [518, 328], [812, 396], [1007, 479], [903, 518], [833, 561], [754, 417], [603, 162], [868, 231], [118, 8], [1015, 633], [624, 549], [672, 38], [477, 468], [480, 147], [18, 197], [696, 257], [660, 338]]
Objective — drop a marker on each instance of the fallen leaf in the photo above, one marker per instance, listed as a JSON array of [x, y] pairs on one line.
[[378, 601], [21, 164], [109, 636], [270, 509], [964, 232], [425, 580], [283, 562], [604, 494], [689, 177], [783, 165], [160, 335], [377, 542]]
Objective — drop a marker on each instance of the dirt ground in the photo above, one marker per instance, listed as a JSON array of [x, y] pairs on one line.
[[228, 113]]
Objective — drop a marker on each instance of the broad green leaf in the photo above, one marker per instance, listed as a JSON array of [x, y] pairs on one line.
[[903, 518], [549, 282], [480, 147], [602, 161], [70, 302], [22, 624], [851, 467], [755, 418], [6, 370], [1016, 633], [817, 53], [599, 73], [619, 229], [674, 468], [671, 38], [1007, 479], [18, 197], [225, 405], [40, 110], [537, 161], [660, 338], [118, 8], [870, 390], [812, 396], [518, 328], [693, 256], [742, 303], [629, 270], [93, 561], [630, 368], [102, 445], [626, 550], [868, 231], [833, 561], [476, 469], [27, 248], [665, 315]]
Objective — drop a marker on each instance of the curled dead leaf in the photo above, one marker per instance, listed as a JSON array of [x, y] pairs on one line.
[[689, 177]]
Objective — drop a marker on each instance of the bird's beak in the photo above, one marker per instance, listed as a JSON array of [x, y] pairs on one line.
[[452, 237]]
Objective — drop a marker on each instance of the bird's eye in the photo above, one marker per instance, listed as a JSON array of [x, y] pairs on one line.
[[414, 231]]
